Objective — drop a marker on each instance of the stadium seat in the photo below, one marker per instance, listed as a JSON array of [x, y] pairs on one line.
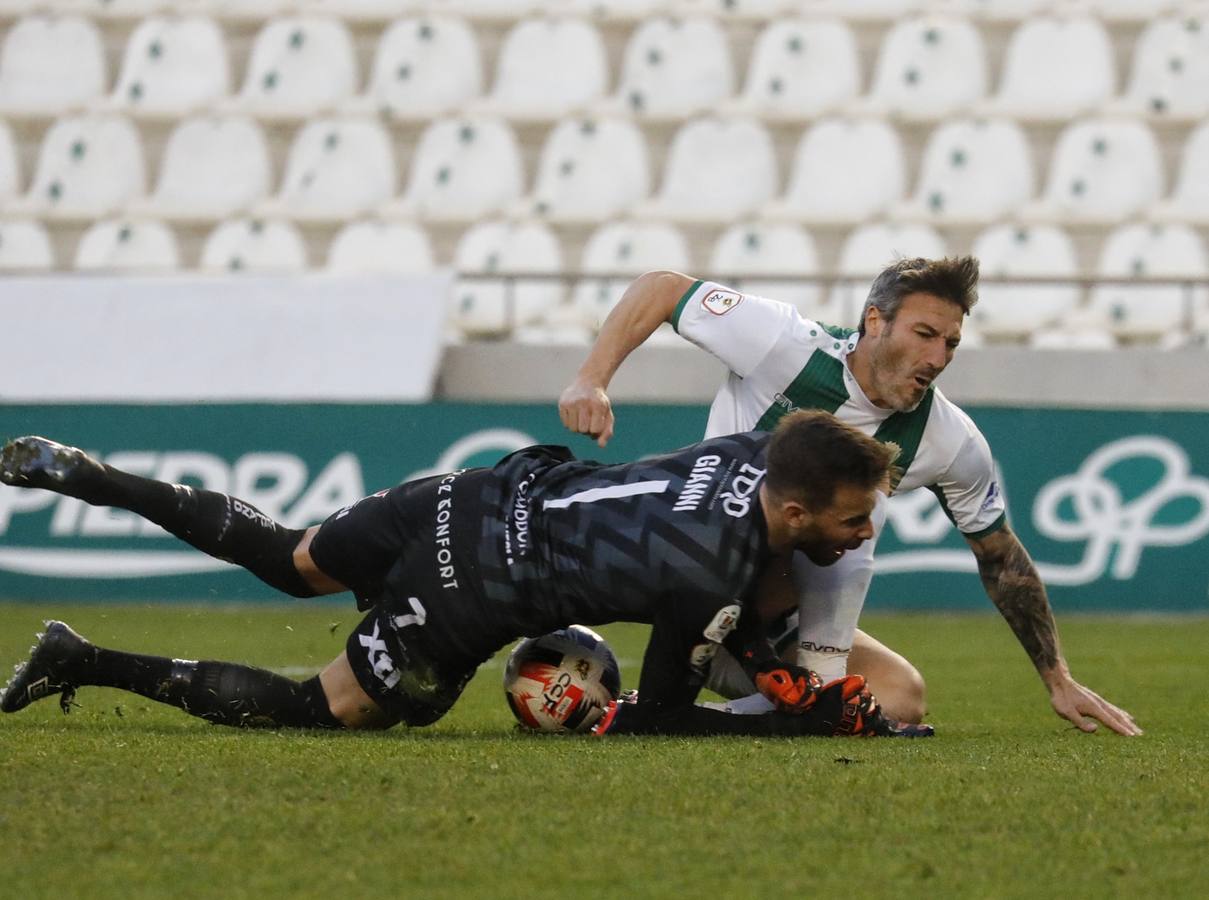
[[606, 10], [372, 246], [1055, 68], [1189, 201], [800, 69], [51, 65], [1008, 251], [10, 166], [863, 10], [534, 49], [488, 10], [337, 168], [998, 10], [591, 170], [1170, 73], [717, 170], [1102, 171], [463, 169], [254, 245], [626, 249], [123, 245], [1129, 10], [300, 66], [108, 9], [362, 10], [675, 68], [25, 247], [423, 67], [769, 260], [1149, 251], [736, 10], [929, 67], [868, 250], [484, 304], [213, 168], [845, 171], [243, 10], [973, 171], [172, 67], [88, 166]]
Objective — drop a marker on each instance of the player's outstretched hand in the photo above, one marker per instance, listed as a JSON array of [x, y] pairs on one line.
[[585, 409], [1081, 706], [792, 689]]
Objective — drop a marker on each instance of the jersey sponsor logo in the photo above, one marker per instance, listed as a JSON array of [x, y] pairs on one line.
[[737, 500], [446, 570], [720, 302], [723, 623], [992, 497], [697, 484], [518, 523], [379, 658]]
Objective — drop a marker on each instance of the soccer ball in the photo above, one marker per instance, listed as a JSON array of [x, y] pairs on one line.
[[561, 681]]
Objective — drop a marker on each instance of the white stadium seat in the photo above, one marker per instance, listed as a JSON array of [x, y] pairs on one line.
[[1103, 170], [122, 245], [867, 251], [998, 10], [489, 10], [88, 166], [929, 67], [1189, 201], [254, 245], [606, 10], [1170, 73], [863, 10], [973, 171], [241, 10], [51, 65], [486, 304], [626, 248], [300, 66], [548, 68], [363, 10], [1007, 251], [213, 167], [10, 166], [717, 170], [423, 67], [844, 171], [737, 10], [1155, 251], [372, 246], [1055, 68], [769, 260], [111, 9], [463, 169], [25, 247], [591, 170], [801, 69], [172, 67], [337, 168], [1129, 10], [674, 68]]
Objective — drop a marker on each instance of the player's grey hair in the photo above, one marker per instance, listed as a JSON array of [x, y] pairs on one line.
[[952, 278]]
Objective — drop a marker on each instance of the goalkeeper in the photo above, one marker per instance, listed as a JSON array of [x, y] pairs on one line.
[[453, 567]]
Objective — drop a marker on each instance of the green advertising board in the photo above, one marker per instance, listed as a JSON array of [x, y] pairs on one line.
[[1113, 506]]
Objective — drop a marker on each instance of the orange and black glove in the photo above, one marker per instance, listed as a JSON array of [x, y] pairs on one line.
[[790, 688], [848, 704]]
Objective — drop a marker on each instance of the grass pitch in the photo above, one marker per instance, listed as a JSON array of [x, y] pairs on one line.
[[128, 798]]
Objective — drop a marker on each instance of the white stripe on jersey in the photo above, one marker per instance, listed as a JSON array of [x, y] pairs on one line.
[[608, 493]]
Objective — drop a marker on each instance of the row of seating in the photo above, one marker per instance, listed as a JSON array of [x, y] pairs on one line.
[[605, 10], [717, 169], [776, 260], [929, 67]]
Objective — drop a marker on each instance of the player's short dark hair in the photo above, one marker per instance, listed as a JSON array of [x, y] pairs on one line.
[[954, 278], [812, 451]]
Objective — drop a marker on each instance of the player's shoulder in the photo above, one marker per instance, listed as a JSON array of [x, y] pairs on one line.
[[950, 426]]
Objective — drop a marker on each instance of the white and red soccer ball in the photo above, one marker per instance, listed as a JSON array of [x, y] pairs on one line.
[[561, 681]]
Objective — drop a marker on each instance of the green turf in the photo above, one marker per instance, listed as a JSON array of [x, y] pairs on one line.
[[127, 798]]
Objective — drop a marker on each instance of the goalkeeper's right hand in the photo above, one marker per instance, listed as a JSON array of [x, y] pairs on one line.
[[790, 688], [848, 703]]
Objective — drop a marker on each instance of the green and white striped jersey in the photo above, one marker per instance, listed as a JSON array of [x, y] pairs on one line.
[[780, 361]]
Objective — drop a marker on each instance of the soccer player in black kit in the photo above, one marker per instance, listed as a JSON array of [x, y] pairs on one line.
[[453, 567]]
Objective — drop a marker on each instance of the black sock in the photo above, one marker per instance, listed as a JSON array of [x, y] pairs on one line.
[[219, 692], [222, 526]]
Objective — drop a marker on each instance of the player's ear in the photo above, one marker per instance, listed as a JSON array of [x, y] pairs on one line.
[[796, 515]]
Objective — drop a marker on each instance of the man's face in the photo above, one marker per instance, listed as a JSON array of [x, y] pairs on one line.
[[910, 352], [843, 525]]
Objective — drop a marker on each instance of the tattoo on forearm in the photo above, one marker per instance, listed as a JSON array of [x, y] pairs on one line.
[[1016, 589]]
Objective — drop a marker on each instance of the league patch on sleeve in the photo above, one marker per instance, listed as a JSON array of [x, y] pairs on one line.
[[720, 302]]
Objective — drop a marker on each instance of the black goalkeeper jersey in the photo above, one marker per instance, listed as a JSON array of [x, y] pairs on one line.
[[542, 540]]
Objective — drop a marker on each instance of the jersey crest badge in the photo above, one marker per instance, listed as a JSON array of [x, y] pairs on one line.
[[720, 302]]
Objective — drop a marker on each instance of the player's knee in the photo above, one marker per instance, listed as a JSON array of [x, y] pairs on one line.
[[909, 699]]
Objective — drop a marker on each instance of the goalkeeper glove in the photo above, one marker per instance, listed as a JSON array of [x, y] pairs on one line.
[[856, 711], [792, 689], [610, 713]]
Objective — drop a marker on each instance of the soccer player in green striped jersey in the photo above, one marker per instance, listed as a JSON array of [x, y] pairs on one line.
[[878, 378]]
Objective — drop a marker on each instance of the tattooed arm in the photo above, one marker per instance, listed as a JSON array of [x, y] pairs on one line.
[[1012, 582]]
